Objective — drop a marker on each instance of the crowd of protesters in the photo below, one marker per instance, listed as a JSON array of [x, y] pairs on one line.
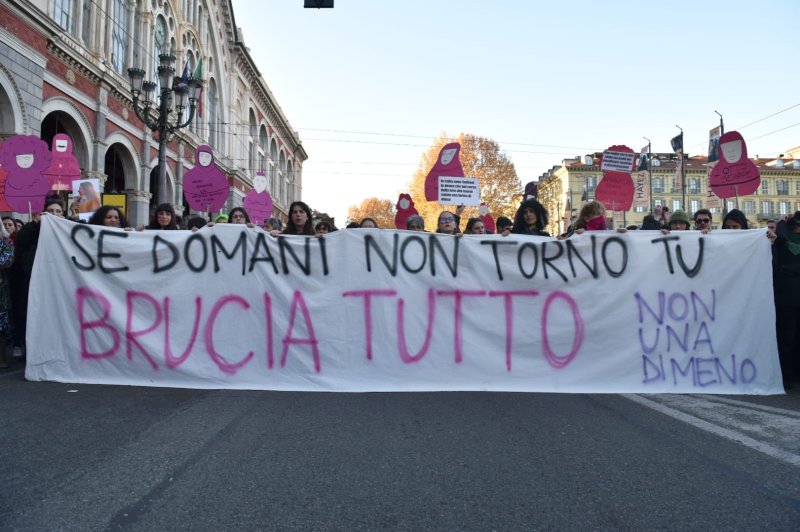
[[19, 240]]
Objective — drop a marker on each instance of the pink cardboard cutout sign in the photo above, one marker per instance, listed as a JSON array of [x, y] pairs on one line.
[[4, 206], [258, 201], [205, 186], [615, 191], [734, 174], [448, 164], [405, 210], [25, 157], [64, 168], [486, 218]]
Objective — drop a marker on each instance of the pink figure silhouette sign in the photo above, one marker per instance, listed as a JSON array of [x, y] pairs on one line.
[[25, 158], [734, 174], [258, 201], [616, 190], [486, 217], [205, 186], [4, 206], [64, 167], [448, 164], [405, 210]]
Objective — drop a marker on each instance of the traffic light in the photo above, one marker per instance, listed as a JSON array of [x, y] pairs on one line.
[[318, 3]]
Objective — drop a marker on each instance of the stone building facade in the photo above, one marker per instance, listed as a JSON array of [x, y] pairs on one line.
[[64, 69]]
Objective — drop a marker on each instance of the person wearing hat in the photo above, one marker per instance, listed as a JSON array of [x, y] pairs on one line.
[[679, 221], [221, 219]]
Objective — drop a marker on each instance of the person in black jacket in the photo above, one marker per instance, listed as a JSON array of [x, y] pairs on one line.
[[20, 272], [786, 283]]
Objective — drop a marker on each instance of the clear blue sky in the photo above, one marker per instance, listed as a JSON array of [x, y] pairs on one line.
[[547, 80]]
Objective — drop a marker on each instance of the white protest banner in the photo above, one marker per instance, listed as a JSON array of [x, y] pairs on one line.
[[617, 161], [385, 310], [459, 191]]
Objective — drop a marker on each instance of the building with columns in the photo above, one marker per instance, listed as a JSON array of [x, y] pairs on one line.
[[565, 188], [64, 69]]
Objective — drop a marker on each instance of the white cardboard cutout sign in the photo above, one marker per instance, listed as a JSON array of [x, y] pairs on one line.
[[459, 191]]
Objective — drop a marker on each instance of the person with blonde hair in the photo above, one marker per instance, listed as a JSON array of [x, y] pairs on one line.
[[88, 199]]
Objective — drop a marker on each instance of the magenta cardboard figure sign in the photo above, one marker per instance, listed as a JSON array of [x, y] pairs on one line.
[[25, 158], [405, 210], [734, 174], [258, 201], [64, 167], [4, 206], [615, 191], [205, 186], [448, 164]]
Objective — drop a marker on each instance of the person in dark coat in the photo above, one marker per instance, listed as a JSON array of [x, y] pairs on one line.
[[530, 219], [20, 271], [786, 283]]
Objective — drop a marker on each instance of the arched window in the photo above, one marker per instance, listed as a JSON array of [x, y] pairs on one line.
[[64, 14], [119, 36], [161, 47], [262, 150], [213, 114], [86, 22], [253, 144], [190, 71], [282, 174], [273, 170], [137, 36], [290, 179]]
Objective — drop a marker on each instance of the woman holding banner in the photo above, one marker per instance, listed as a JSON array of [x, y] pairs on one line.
[[24, 252], [164, 219], [108, 216], [300, 220], [530, 219]]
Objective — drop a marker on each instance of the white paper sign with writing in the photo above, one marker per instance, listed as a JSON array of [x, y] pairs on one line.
[[459, 191], [385, 310], [617, 161]]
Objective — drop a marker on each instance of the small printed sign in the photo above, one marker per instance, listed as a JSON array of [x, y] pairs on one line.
[[617, 161], [459, 191]]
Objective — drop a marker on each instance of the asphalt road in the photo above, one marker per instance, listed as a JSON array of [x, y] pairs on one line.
[[88, 457]]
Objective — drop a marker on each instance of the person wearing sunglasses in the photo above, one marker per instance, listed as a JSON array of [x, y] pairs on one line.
[[702, 220]]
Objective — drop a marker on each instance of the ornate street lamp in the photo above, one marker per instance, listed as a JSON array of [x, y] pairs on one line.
[[182, 89]]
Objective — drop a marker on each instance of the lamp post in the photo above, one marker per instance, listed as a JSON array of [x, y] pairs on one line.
[[683, 172], [650, 172], [183, 90]]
